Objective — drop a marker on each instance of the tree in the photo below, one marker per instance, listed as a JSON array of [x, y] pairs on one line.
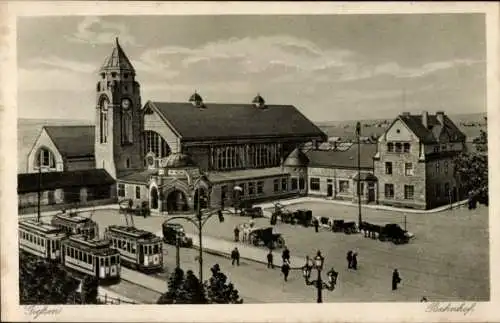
[[43, 282], [183, 289], [472, 169], [219, 290], [90, 289]]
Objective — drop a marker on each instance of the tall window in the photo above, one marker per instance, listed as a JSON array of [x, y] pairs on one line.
[[447, 189], [302, 184], [437, 167], [260, 187], [438, 189], [45, 158], [398, 147], [154, 143], [121, 190], [314, 184], [390, 147], [445, 167], [408, 169], [276, 185], [295, 184], [388, 168], [389, 191], [251, 188], [284, 184], [409, 190], [103, 121], [406, 147], [137, 192]]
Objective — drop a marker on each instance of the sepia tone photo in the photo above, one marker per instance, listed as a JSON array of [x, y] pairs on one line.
[[252, 159]]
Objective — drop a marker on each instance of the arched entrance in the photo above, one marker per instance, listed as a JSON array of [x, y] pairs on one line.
[[200, 196], [177, 202], [154, 198]]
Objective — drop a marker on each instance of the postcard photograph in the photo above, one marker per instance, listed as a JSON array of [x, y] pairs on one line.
[[252, 159]]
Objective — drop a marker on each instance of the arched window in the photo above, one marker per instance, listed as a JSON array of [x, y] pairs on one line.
[[154, 143], [103, 121], [45, 158]]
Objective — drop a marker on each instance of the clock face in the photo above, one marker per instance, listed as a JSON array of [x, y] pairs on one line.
[[126, 104]]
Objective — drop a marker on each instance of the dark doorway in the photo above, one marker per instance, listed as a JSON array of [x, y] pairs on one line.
[[371, 192], [176, 202], [154, 198], [200, 196], [329, 190]]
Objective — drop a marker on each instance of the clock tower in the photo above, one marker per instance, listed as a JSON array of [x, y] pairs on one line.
[[118, 116]]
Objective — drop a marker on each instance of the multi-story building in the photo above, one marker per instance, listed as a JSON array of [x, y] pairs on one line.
[[414, 162]]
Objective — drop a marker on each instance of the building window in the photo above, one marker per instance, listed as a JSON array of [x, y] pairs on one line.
[[294, 184], [409, 190], [137, 192], [154, 143], [436, 149], [388, 168], [284, 184], [260, 187], [242, 185], [445, 167], [125, 75], [45, 158], [408, 169], [113, 74], [276, 184], [223, 193], [398, 147], [127, 163], [251, 188], [406, 147], [302, 184], [343, 186], [390, 147], [437, 167], [438, 189], [389, 191], [121, 190], [314, 184], [447, 191]]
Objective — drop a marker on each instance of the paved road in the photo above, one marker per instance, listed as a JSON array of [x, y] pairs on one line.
[[448, 260]]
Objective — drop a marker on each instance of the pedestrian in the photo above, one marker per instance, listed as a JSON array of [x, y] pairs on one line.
[[349, 259], [236, 234], [285, 269], [235, 257], [270, 259], [396, 279], [354, 263], [285, 254], [316, 225]]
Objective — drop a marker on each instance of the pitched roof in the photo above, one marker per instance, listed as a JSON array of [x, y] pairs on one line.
[[435, 129], [73, 141], [117, 60], [296, 158], [52, 180], [137, 177], [227, 121], [343, 159]]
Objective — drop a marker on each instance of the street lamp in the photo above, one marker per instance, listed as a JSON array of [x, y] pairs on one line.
[[237, 190], [358, 135], [199, 220], [318, 282]]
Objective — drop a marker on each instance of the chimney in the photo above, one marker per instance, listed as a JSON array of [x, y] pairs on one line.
[[440, 117], [425, 119]]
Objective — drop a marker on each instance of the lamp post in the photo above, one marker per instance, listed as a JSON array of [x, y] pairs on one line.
[[199, 220], [318, 282], [358, 135], [237, 194]]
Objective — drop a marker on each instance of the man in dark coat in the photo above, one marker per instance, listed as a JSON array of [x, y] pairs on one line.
[[285, 254], [349, 259], [270, 260], [316, 224], [285, 269], [236, 234], [235, 257], [354, 263], [396, 279]]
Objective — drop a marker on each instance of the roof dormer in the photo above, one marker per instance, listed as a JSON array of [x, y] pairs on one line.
[[259, 102], [196, 100]]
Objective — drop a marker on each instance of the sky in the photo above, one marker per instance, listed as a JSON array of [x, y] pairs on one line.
[[331, 67]]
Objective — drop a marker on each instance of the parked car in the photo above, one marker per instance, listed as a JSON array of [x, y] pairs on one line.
[[173, 230], [254, 212]]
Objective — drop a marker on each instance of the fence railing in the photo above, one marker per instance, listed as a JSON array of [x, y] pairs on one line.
[[109, 300]]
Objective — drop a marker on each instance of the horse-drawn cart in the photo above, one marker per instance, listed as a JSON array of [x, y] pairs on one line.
[[266, 237]]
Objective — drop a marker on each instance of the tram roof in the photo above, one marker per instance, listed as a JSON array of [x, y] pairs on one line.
[[39, 226], [132, 232], [72, 217], [97, 246]]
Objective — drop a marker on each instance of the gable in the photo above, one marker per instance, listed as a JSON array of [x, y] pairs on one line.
[[154, 122], [398, 131], [44, 141]]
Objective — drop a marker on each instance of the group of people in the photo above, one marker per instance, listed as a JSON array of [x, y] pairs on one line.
[[246, 228]]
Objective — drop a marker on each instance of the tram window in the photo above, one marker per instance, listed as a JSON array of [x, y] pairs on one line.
[[155, 251], [84, 257], [101, 261], [57, 244], [43, 242], [133, 248], [150, 250], [106, 261], [71, 252], [112, 260], [128, 246]]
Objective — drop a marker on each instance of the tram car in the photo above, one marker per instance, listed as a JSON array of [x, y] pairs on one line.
[[41, 239], [94, 257], [139, 249], [72, 223]]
